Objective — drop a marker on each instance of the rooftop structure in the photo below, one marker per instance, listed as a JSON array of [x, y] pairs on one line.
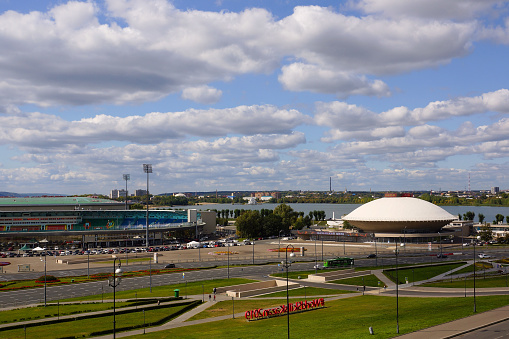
[[399, 214]]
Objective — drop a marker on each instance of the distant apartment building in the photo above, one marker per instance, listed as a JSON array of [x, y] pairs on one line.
[[139, 193], [495, 190], [118, 193], [264, 195]]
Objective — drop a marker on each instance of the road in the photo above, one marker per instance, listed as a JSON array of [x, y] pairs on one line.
[[32, 296]]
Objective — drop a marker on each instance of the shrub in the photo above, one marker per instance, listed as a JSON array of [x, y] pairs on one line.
[[49, 278]]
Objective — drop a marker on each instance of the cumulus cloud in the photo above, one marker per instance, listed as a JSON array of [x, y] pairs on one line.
[[44, 130], [351, 122], [430, 9], [303, 77], [145, 50], [202, 94]]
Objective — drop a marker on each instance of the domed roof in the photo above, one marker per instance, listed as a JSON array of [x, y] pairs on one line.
[[398, 209]]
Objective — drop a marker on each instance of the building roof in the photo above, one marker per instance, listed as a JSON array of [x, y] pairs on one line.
[[58, 201], [397, 209]]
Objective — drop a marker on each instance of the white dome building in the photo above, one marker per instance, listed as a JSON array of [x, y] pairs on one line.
[[399, 215]]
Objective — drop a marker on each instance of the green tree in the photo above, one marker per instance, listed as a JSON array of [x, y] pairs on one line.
[[469, 216], [485, 233], [481, 218], [272, 224], [499, 218], [249, 224], [287, 215]]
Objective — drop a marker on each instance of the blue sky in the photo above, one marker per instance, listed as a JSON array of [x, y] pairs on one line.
[[253, 95]]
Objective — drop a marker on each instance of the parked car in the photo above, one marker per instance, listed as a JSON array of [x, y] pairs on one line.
[[440, 255], [169, 265], [372, 255], [484, 256]]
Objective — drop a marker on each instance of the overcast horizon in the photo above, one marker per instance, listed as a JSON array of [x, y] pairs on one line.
[[382, 95]]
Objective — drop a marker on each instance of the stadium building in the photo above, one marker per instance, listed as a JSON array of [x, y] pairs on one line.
[[93, 222]]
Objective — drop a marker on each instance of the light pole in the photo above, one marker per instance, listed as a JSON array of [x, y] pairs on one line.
[[228, 260], [147, 168], [279, 245], [88, 264], [322, 249], [253, 251], [126, 178], [45, 278], [475, 310], [287, 264], [397, 292], [114, 282], [316, 258]]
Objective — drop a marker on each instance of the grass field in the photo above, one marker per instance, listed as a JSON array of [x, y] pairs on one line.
[[345, 318], [420, 273], [191, 288], [305, 292], [480, 282], [367, 280], [83, 328]]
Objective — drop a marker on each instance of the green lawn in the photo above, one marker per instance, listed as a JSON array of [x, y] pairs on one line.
[[479, 266], [345, 318], [84, 328], [367, 280], [420, 273], [54, 310], [23, 284], [480, 282], [305, 292], [192, 288]]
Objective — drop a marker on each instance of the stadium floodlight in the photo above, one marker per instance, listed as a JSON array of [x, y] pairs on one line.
[[147, 168], [126, 178]]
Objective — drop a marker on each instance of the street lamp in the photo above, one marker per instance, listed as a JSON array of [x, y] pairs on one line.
[[45, 254], [287, 263], [113, 281], [279, 246], [478, 238], [126, 178], [147, 168], [397, 291], [253, 252]]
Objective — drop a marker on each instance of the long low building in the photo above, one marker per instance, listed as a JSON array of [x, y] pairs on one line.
[[91, 220]]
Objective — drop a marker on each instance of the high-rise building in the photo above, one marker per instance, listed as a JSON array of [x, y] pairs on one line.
[[495, 190]]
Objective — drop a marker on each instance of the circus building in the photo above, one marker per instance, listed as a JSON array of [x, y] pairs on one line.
[[391, 217]]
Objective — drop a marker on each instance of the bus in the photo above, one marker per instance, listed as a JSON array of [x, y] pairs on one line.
[[338, 262]]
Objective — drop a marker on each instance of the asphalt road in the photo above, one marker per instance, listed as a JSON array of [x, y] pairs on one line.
[[500, 330], [31, 296]]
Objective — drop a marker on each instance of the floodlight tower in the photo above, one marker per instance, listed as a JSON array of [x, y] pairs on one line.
[[147, 168], [126, 178]]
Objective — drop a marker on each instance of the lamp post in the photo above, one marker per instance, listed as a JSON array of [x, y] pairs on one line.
[[126, 178], [45, 254], [478, 238], [88, 264], [322, 249], [228, 260], [147, 168], [397, 292], [253, 252], [316, 258], [113, 281], [279, 244], [287, 264]]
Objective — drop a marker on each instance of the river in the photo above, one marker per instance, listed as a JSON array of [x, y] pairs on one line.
[[341, 209]]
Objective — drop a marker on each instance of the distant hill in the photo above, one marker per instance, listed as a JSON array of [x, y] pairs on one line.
[[17, 195]]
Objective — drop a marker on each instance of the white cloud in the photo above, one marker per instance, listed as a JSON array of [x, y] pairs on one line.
[[146, 50], [43, 130], [430, 9], [202, 94], [304, 77]]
